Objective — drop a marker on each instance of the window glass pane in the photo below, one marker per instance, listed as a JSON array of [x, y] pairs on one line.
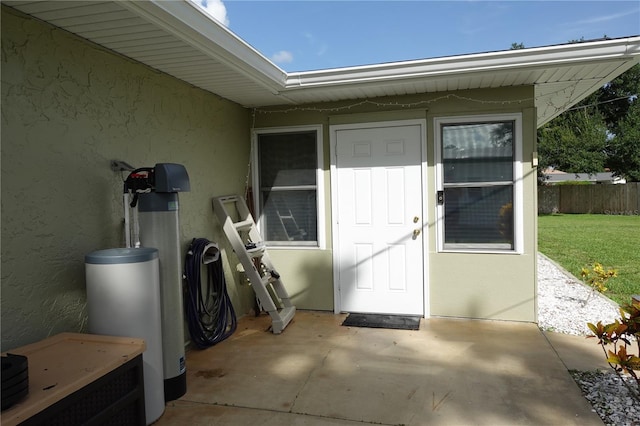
[[287, 159], [479, 215], [480, 152], [289, 215], [287, 176]]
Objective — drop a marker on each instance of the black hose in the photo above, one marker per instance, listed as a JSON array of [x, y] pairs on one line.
[[210, 314]]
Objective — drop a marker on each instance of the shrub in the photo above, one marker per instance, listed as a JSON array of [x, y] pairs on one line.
[[622, 334], [597, 277]]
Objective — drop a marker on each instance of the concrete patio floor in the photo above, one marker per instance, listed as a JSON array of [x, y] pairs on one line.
[[450, 372]]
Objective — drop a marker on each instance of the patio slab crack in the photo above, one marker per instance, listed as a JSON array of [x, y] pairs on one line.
[[304, 385]]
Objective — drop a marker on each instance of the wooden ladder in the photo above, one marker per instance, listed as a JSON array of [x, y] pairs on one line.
[[252, 253]]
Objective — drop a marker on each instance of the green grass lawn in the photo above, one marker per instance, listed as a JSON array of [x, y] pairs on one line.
[[578, 240]]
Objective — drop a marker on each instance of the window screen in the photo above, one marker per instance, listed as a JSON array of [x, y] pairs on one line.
[[478, 182], [288, 164]]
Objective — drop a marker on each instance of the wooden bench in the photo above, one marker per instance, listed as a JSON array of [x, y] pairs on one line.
[[81, 379]]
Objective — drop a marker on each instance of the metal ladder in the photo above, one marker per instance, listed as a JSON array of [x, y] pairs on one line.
[[250, 249]]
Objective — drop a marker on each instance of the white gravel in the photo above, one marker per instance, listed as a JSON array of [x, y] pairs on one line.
[[566, 305]]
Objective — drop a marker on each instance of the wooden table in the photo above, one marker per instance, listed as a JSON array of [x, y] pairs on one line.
[[76, 378]]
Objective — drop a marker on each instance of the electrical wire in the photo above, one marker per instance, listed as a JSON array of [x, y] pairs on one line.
[[210, 314]]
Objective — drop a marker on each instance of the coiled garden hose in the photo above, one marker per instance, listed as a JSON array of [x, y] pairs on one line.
[[210, 314]]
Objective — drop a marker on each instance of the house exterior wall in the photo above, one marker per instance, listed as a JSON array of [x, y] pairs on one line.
[[68, 108], [472, 285], [492, 286]]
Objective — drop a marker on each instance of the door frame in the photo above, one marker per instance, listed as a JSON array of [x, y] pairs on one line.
[[335, 237]]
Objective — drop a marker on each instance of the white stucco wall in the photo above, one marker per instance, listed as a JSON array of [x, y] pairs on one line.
[[68, 108]]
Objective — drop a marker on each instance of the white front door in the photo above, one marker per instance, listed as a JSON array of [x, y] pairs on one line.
[[379, 227]]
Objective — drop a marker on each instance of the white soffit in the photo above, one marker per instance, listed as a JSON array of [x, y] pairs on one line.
[[175, 37], [178, 38]]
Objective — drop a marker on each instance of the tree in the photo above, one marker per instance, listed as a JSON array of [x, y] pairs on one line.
[[574, 142], [616, 98], [624, 148], [601, 132]]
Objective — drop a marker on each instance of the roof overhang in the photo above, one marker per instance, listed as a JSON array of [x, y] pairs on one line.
[[182, 40]]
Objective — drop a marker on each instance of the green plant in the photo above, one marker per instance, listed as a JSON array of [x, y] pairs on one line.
[[622, 334], [576, 240], [506, 220], [597, 276]]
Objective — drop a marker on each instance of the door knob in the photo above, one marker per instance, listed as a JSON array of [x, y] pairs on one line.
[[416, 232]]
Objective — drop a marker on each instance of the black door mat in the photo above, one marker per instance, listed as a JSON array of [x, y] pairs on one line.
[[399, 322]]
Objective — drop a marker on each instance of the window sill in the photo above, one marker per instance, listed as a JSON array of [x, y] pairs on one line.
[[293, 247], [482, 251]]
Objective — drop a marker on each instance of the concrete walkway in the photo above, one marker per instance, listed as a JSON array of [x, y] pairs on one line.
[[450, 372]]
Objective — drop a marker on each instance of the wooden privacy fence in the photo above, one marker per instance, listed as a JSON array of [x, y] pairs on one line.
[[622, 199]]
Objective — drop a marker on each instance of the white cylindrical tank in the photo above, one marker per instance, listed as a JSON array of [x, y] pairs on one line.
[[123, 299]]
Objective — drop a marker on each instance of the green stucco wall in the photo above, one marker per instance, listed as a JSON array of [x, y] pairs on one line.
[[68, 108], [491, 286], [307, 275]]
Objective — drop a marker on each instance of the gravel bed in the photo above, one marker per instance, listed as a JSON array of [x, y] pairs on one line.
[[566, 305], [610, 398]]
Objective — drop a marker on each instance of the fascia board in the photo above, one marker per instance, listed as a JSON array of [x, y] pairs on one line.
[[521, 60], [188, 22], [194, 26]]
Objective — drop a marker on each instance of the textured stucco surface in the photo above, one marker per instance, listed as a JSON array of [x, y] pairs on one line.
[[68, 108]]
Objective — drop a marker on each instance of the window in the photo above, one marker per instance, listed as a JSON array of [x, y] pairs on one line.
[[479, 183], [287, 175]]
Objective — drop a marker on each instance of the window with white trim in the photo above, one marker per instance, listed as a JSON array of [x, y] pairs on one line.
[[287, 170], [479, 183]]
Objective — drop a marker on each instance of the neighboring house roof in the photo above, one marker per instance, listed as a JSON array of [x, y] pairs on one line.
[[554, 176], [180, 39]]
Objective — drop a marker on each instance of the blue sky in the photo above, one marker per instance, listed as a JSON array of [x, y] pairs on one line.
[[303, 35]]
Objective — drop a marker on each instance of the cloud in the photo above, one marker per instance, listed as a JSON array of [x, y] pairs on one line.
[[322, 49], [595, 26], [607, 18], [319, 46], [216, 9], [282, 57]]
